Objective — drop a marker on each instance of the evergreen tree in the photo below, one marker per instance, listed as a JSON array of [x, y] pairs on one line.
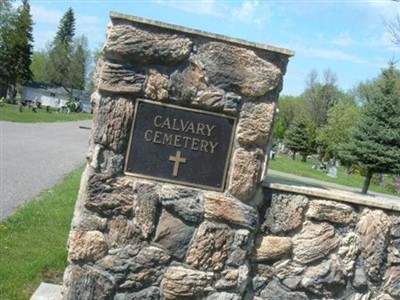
[[375, 144], [298, 139]]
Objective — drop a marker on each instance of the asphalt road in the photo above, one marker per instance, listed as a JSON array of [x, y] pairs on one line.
[[36, 156]]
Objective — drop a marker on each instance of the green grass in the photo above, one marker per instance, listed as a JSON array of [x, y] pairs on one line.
[[285, 164], [9, 112], [33, 240]]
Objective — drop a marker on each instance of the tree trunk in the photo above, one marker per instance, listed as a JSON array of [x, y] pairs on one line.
[[367, 181], [294, 155], [304, 158]]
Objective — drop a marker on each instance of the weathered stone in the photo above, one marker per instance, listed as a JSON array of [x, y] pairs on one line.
[[394, 252], [325, 279], [145, 207], [373, 228], [210, 247], [151, 293], [289, 273], [315, 241], [145, 268], [274, 290], [184, 85], [109, 196], [156, 86], [272, 247], [112, 123], [240, 214], [187, 204], [255, 123], [392, 282], [120, 79], [182, 282], [246, 173], [173, 235], [395, 230], [86, 283], [87, 221], [360, 280], [86, 245], [231, 102], [361, 296], [383, 297], [223, 296], [106, 161], [285, 213], [228, 280], [330, 211], [348, 251], [238, 69], [127, 43], [122, 233], [211, 99], [239, 248]]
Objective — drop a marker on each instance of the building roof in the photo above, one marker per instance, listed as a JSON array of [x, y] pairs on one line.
[[51, 88]]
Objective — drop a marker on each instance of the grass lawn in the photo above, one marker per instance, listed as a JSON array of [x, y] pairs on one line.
[[284, 163], [9, 112], [33, 240]]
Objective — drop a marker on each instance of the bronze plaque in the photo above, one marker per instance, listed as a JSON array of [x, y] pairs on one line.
[[180, 145]]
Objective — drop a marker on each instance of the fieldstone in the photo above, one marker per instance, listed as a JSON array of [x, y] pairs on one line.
[[146, 205], [261, 275], [360, 279], [373, 228], [127, 43], [394, 252], [231, 102], [330, 211], [395, 230], [272, 247], [223, 296], [86, 246], [289, 273], [275, 291], [109, 196], [325, 279], [238, 69], [383, 297], [151, 293], [156, 86], [109, 162], [315, 241], [145, 268], [112, 123], [240, 214], [86, 283], [120, 79], [358, 296], [234, 279], [348, 251], [239, 248], [173, 235], [210, 247], [255, 123], [392, 282], [185, 84], [285, 213], [246, 173], [182, 282], [122, 233], [186, 203], [87, 221], [212, 99]]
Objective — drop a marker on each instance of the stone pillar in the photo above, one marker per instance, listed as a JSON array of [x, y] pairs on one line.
[[136, 238]]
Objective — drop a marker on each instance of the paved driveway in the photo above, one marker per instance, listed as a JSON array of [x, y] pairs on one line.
[[36, 156]]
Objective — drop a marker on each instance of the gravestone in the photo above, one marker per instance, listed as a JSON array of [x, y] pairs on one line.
[[168, 203]]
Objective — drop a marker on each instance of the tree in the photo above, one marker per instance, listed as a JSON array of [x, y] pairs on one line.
[[17, 47], [288, 107], [298, 138], [375, 143], [342, 118], [6, 16]]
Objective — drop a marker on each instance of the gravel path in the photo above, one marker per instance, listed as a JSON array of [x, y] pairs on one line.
[[36, 156]]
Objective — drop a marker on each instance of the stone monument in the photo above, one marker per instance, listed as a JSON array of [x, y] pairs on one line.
[[168, 203]]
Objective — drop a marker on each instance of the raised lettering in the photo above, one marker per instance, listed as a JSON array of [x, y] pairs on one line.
[[210, 129], [156, 123], [166, 124], [186, 139], [200, 128], [203, 146], [177, 141], [167, 139], [157, 137], [148, 135], [174, 125], [195, 144], [213, 145], [190, 128]]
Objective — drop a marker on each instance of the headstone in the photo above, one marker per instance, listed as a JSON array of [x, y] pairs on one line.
[[179, 145], [332, 172]]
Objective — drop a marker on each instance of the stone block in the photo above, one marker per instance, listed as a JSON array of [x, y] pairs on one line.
[[239, 214], [86, 246], [392, 282], [156, 86], [349, 249], [151, 293], [122, 233], [275, 290], [330, 211], [272, 247]]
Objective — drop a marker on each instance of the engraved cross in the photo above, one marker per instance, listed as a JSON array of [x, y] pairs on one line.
[[177, 159]]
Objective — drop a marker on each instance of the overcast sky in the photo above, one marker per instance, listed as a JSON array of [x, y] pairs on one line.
[[349, 37]]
